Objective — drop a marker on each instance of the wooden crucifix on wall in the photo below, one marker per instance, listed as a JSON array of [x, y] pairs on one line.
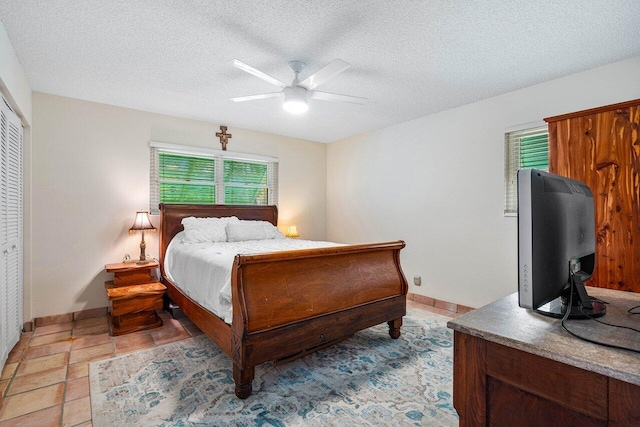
[[224, 136]]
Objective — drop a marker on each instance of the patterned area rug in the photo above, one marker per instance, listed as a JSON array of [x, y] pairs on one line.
[[368, 379]]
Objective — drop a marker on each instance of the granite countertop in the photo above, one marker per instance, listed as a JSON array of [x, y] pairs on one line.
[[504, 322]]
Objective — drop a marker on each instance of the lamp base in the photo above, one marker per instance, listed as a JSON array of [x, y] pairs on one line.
[[143, 255]]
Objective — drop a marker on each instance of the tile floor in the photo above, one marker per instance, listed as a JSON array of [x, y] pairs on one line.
[[45, 380]]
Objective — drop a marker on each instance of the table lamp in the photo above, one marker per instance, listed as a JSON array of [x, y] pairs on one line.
[[142, 223], [292, 231]]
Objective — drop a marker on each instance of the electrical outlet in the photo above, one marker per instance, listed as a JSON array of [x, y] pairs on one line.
[[417, 280]]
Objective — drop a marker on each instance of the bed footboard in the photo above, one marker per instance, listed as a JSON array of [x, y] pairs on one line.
[[292, 302]]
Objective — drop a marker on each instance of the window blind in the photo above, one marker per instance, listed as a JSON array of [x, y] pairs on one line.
[[181, 174], [528, 148], [245, 183], [186, 179]]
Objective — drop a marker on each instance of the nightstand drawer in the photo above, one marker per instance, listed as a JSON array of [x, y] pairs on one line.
[[134, 322], [134, 298], [135, 305]]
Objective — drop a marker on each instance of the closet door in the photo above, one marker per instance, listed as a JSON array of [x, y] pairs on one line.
[[10, 230]]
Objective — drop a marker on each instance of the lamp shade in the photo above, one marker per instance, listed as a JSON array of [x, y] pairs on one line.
[[292, 231], [142, 222]]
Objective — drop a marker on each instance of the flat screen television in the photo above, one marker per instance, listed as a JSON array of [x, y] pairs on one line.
[[556, 245]]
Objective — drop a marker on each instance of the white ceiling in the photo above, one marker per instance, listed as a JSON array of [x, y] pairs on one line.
[[410, 58]]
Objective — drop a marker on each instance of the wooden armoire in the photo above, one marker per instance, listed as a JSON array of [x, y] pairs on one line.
[[601, 147]]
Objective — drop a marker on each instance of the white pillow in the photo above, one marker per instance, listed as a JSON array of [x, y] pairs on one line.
[[198, 230], [252, 230]]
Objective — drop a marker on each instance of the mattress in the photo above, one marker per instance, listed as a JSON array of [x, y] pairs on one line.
[[202, 271]]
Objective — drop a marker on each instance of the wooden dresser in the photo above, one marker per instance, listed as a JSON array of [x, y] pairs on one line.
[[515, 367], [134, 296]]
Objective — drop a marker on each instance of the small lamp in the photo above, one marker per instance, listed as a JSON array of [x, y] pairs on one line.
[[292, 231], [142, 223]]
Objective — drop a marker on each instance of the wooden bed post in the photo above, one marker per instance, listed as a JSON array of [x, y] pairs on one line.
[[394, 328], [243, 379]]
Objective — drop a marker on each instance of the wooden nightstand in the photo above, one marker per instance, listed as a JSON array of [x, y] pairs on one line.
[[134, 296]]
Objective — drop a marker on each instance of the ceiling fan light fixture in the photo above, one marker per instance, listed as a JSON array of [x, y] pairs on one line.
[[297, 94], [295, 100]]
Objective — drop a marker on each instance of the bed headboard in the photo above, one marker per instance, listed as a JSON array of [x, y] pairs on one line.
[[171, 218]]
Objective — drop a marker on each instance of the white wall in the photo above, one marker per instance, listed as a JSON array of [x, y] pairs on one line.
[[13, 81], [91, 173], [437, 182]]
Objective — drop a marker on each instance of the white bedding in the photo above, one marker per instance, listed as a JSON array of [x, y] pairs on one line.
[[203, 270]]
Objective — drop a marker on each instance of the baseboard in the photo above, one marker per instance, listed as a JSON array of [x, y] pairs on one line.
[[444, 305], [28, 326], [68, 317]]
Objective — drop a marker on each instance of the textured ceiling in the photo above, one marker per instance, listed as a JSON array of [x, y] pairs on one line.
[[410, 58]]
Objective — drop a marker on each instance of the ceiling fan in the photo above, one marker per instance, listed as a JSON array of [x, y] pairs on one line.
[[297, 94]]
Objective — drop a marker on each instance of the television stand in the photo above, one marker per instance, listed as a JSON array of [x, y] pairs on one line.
[[506, 357]]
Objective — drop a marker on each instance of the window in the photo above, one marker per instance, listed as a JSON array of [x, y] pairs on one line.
[[245, 183], [186, 179], [200, 176], [527, 148]]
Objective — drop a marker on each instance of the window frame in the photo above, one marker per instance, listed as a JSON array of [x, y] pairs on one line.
[[218, 156], [511, 156]]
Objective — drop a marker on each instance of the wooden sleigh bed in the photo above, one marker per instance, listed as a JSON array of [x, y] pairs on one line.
[[288, 304]]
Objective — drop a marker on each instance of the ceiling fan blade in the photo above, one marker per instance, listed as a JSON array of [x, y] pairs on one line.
[[326, 96], [266, 77], [334, 68], [252, 97]]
